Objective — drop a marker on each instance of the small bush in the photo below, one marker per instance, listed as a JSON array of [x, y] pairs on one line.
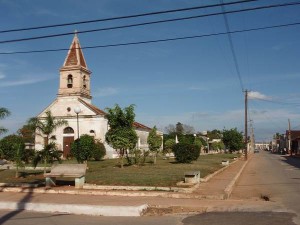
[[186, 153], [82, 149], [99, 151]]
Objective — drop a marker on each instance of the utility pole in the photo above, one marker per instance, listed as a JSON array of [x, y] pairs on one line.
[[246, 124], [252, 141], [289, 136]]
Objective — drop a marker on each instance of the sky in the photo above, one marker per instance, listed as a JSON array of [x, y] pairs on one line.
[[193, 81]]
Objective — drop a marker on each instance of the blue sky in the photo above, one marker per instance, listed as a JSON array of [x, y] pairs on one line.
[[190, 81]]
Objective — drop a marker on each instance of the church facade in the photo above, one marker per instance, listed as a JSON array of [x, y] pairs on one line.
[[74, 104]]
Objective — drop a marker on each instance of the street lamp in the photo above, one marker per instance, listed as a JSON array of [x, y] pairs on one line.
[[77, 110]]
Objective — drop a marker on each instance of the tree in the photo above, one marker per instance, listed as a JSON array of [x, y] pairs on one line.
[[121, 134], [214, 134], [9, 146], [179, 129], [46, 126], [47, 155], [3, 114], [233, 139], [27, 132], [154, 141]]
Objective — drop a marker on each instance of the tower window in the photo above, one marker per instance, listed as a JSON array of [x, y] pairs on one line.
[[70, 81], [84, 81]]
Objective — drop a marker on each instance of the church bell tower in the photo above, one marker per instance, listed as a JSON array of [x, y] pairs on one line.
[[74, 74]]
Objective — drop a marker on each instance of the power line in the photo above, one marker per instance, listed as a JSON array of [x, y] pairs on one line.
[[126, 17], [156, 41], [237, 68], [149, 23], [277, 102]]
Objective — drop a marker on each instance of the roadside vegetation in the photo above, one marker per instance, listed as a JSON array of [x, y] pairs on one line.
[[164, 164], [166, 172]]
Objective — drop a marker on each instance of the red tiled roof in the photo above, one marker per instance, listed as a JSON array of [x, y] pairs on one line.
[[92, 107], [139, 125], [75, 55]]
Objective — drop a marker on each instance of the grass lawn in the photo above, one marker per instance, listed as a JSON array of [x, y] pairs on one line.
[[165, 173]]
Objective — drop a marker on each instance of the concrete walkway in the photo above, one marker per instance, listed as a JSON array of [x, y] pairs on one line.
[[207, 197]]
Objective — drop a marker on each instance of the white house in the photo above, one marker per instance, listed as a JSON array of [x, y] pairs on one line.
[[74, 91]]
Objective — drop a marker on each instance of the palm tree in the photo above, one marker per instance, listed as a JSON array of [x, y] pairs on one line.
[[46, 126], [3, 113]]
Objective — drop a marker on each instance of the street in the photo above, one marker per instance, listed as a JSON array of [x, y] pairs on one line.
[[271, 177], [267, 177]]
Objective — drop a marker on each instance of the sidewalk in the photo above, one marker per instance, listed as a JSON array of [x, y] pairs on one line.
[[207, 197]]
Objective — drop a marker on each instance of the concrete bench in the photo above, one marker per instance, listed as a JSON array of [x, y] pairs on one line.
[[192, 177], [225, 162], [76, 171]]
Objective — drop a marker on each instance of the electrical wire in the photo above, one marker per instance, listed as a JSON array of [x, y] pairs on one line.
[[237, 68], [148, 23], [156, 41], [276, 102], [126, 17]]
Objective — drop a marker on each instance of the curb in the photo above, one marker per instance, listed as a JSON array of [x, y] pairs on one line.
[[228, 190], [208, 177], [94, 210]]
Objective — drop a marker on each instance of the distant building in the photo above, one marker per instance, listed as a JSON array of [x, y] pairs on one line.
[[295, 141], [75, 91]]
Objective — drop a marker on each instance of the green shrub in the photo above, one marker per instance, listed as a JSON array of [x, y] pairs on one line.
[[99, 151], [82, 149], [9, 146], [186, 153]]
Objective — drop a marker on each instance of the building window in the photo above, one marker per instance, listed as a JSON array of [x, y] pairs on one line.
[[70, 81], [84, 81], [68, 130]]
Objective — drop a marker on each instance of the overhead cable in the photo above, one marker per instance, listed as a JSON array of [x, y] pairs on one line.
[[148, 23], [126, 17], [158, 40]]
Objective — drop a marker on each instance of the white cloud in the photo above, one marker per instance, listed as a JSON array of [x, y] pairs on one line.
[[106, 91], [258, 95], [22, 81], [2, 76]]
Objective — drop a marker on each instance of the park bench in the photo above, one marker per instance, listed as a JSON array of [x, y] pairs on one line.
[[225, 162], [76, 171], [192, 177]]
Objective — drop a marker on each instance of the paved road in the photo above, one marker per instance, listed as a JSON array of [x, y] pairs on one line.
[[232, 218], [273, 177]]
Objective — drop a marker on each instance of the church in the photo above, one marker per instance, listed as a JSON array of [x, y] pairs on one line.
[[74, 104]]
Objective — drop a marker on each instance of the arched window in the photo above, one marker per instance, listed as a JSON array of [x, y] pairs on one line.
[[68, 130], [70, 81], [84, 81]]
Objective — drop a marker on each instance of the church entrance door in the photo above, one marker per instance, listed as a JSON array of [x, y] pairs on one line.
[[67, 145]]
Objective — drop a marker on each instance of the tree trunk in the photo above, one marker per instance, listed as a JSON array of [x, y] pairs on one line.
[[17, 172], [45, 161], [154, 158], [121, 157]]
